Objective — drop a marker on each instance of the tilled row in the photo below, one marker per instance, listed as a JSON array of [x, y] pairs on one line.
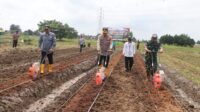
[[131, 92], [84, 99], [22, 96], [185, 91], [69, 60], [20, 60]]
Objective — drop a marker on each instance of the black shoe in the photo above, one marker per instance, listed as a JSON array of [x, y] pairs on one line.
[[104, 79], [130, 70]]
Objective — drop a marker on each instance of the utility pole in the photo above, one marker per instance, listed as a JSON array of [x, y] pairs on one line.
[[100, 24]]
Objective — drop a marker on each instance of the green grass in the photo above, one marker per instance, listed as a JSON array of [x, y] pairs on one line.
[[6, 42], [184, 60]]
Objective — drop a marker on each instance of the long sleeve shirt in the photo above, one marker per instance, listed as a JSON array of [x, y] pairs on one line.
[[16, 36], [47, 41], [129, 49], [104, 44], [82, 41]]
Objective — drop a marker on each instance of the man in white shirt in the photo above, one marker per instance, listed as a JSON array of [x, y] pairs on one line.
[[129, 52], [81, 43]]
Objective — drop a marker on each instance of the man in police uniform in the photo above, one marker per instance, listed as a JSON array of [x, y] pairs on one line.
[[104, 47], [152, 48]]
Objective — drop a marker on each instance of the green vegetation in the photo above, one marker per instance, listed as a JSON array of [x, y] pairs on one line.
[[198, 42], [14, 28], [180, 40], [31, 41], [61, 30], [185, 60]]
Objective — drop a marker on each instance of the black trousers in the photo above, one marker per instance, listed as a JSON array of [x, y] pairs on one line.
[[15, 43], [81, 48], [105, 60], [50, 57], [128, 63]]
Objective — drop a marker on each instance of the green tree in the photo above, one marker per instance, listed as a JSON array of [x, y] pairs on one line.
[[167, 39], [180, 40], [28, 32], [71, 33], [14, 28], [61, 31], [198, 42], [192, 43], [184, 40]]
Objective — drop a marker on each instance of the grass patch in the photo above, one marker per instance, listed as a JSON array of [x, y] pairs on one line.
[[184, 60], [27, 41]]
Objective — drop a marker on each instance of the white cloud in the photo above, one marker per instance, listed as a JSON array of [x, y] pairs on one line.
[[143, 16]]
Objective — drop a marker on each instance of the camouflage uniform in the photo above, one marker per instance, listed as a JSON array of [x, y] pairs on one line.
[[151, 58]]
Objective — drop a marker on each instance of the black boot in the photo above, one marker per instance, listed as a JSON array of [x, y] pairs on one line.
[[148, 76]]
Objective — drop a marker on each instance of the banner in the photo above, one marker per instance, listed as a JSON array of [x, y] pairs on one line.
[[119, 33]]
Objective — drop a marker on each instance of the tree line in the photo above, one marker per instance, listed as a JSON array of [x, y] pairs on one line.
[[180, 40], [61, 30]]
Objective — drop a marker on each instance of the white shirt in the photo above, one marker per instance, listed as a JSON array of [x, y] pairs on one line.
[[129, 49]]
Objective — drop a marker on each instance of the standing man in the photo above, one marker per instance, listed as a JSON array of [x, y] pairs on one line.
[[47, 43], [152, 48], [114, 45], [129, 52], [138, 45], [81, 43], [16, 36], [104, 47]]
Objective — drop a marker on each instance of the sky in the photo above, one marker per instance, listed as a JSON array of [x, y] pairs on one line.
[[144, 17]]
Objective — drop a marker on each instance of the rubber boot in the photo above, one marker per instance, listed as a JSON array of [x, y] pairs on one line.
[[42, 68], [50, 68]]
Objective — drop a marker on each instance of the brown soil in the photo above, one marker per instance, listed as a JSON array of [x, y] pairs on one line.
[[15, 62], [131, 92], [128, 92], [187, 95], [63, 59], [20, 97], [82, 101], [123, 91]]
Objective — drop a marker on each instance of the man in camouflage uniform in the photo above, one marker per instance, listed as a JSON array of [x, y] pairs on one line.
[[152, 48]]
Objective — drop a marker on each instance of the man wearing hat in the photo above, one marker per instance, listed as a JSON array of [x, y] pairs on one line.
[[104, 47], [152, 48], [47, 44]]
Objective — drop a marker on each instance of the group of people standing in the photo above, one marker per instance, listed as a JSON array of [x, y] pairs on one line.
[[152, 47], [105, 47], [47, 44]]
